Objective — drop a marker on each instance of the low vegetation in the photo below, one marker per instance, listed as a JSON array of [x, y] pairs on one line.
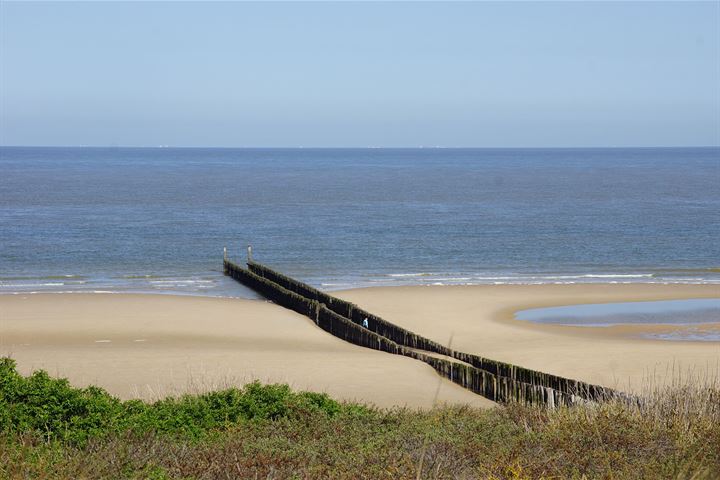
[[48, 429]]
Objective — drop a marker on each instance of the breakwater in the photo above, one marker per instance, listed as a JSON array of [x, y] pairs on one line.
[[497, 381]]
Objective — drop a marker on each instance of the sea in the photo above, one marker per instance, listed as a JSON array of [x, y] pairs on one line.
[[155, 220]]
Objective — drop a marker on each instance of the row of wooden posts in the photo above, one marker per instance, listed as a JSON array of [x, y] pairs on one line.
[[498, 381]]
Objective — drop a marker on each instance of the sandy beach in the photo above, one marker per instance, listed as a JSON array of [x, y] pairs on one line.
[[480, 320], [150, 346]]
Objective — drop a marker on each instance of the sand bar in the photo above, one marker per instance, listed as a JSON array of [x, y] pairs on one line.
[[150, 346], [481, 320]]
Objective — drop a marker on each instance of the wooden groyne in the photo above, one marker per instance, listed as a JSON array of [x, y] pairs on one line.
[[351, 311], [498, 381]]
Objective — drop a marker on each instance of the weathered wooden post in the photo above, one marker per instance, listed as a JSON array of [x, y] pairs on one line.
[[495, 380]]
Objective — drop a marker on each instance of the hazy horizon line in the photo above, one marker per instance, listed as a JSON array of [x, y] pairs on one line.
[[351, 147]]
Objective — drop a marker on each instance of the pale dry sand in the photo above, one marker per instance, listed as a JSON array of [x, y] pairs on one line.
[[150, 346], [481, 321]]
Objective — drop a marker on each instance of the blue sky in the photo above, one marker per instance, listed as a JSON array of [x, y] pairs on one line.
[[360, 74]]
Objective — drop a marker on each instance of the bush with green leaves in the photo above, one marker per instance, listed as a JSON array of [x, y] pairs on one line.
[[51, 430], [55, 409]]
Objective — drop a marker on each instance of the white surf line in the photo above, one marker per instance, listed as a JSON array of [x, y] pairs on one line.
[[103, 341]]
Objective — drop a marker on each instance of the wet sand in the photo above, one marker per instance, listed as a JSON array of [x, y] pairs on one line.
[[151, 346], [481, 320]]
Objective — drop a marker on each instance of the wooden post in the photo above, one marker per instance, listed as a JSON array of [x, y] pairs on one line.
[[495, 380]]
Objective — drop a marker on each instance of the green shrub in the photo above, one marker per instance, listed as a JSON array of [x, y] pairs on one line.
[[50, 430], [54, 409]]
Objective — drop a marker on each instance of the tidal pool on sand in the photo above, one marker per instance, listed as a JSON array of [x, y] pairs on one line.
[[693, 313]]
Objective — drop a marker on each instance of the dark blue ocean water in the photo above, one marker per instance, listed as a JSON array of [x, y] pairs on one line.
[[133, 219]]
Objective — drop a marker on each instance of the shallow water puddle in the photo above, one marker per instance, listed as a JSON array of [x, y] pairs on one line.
[[692, 312]]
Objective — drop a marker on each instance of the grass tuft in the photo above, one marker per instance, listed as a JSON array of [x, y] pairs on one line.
[[51, 430]]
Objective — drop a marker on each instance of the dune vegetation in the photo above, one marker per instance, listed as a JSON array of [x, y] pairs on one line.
[[49, 429]]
